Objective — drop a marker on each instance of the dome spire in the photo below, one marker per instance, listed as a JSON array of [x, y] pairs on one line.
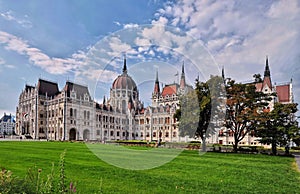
[[125, 67]]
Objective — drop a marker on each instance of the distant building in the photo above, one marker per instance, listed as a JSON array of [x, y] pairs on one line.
[[7, 125], [44, 111]]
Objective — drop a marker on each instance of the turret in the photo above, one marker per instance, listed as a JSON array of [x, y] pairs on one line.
[[182, 79], [156, 90], [267, 69], [267, 84]]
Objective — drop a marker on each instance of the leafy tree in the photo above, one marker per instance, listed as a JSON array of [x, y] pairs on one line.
[[296, 138], [197, 108], [257, 78], [243, 107], [278, 127]]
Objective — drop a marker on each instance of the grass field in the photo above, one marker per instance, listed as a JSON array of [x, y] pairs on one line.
[[187, 173]]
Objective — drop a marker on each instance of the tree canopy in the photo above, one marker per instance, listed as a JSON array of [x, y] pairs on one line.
[[278, 127], [243, 106], [198, 107]]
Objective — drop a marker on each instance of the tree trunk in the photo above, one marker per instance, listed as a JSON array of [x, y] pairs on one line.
[[235, 147], [203, 145], [235, 144], [287, 150], [274, 149]]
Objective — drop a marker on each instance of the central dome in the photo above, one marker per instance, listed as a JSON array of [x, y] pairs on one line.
[[124, 81]]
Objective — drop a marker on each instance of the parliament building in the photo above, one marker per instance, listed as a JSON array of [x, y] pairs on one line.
[[46, 112]]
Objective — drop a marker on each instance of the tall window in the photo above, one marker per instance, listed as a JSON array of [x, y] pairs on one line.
[[71, 112], [167, 134], [154, 134], [174, 134], [124, 106]]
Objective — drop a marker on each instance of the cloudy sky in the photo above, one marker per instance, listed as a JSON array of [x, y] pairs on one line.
[[85, 41]]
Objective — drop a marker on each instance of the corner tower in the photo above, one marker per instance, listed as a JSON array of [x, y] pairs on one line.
[[156, 92], [267, 84]]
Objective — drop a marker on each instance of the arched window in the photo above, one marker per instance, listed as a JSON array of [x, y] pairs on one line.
[[154, 134], [167, 134], [123, 106], [174, 134]]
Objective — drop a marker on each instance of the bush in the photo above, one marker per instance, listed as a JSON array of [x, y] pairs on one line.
[[295, 148]]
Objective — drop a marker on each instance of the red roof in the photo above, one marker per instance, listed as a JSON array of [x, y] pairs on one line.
[[169, 90], [283, 93], [258, 86], [124, 81], [267, 81]]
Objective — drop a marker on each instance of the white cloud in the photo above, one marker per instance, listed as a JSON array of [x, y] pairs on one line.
[[130, 25], [101, 75], [24, 22], [284, 10], [7, 15], [117, 23], [161, 21], [117, 46], [142, 41], [2, 61], [240, 34], [52, 65]]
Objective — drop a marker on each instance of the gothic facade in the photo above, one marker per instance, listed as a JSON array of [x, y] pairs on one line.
[[45, 112]]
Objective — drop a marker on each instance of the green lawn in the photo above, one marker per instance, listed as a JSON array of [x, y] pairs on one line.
[[187, 173]]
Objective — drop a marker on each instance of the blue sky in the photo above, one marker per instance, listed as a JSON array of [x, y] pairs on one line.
[[84, 41]]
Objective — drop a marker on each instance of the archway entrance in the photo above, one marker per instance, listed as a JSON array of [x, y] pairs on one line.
[[86, 135], [72, 134]]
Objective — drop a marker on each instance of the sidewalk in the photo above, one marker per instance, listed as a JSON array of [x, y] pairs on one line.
[[297, 157]]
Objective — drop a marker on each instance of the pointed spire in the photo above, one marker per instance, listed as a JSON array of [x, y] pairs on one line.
[[125, 66], [267, 69], [267, 75], [104, 100], [156, 85], [182, 79], [223, 73]]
